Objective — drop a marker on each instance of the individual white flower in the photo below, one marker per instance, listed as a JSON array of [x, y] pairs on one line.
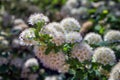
[[82, 52], [54, 61], [115, 73], [73, 37], [112, 35], [70, 24], [31, 62], [27, 36], [93, 38], [18, 62], [104, 55], [37, 17], [3, 61]]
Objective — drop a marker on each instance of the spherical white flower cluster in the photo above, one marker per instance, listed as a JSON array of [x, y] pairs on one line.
[[56, 31], [104, 56], [55, 26], [35, 18], [54, 61], [31, 62], [115, 73], [70, 24], [93, 38], [73, 37], [82, 52], [52, 28], [58, 38], [26, 37], [112, 35]]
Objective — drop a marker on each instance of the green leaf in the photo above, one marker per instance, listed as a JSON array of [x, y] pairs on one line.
[[48, 50]]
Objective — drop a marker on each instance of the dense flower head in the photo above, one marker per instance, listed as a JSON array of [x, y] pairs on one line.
[[82, 52], [57, 26], [115, 73], [104, 55], [73, 37], [56, 31], [112, 35], [26, 37], [58, 38], [93, 38], [31, 62], [53, 27], [38, 17], [54, 61], [70, 24]]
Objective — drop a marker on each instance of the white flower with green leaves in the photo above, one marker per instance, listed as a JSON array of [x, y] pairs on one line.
[[82, 52], [115, 73], [112, 35], [104, 55], [70, 24], [73, 37], [27, 37], [93, 38]]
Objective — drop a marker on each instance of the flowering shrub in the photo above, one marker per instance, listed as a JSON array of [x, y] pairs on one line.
[[61, 47], [85, 45]]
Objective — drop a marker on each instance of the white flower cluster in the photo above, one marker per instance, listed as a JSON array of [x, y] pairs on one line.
[[73, 37], [55, 30], [112, 35], [70, 24], [115, 73], [54, 61], [104, 56], [31, 62], [82, 52], [93, 38], [26, 37], [66, 31], [35, 18]]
